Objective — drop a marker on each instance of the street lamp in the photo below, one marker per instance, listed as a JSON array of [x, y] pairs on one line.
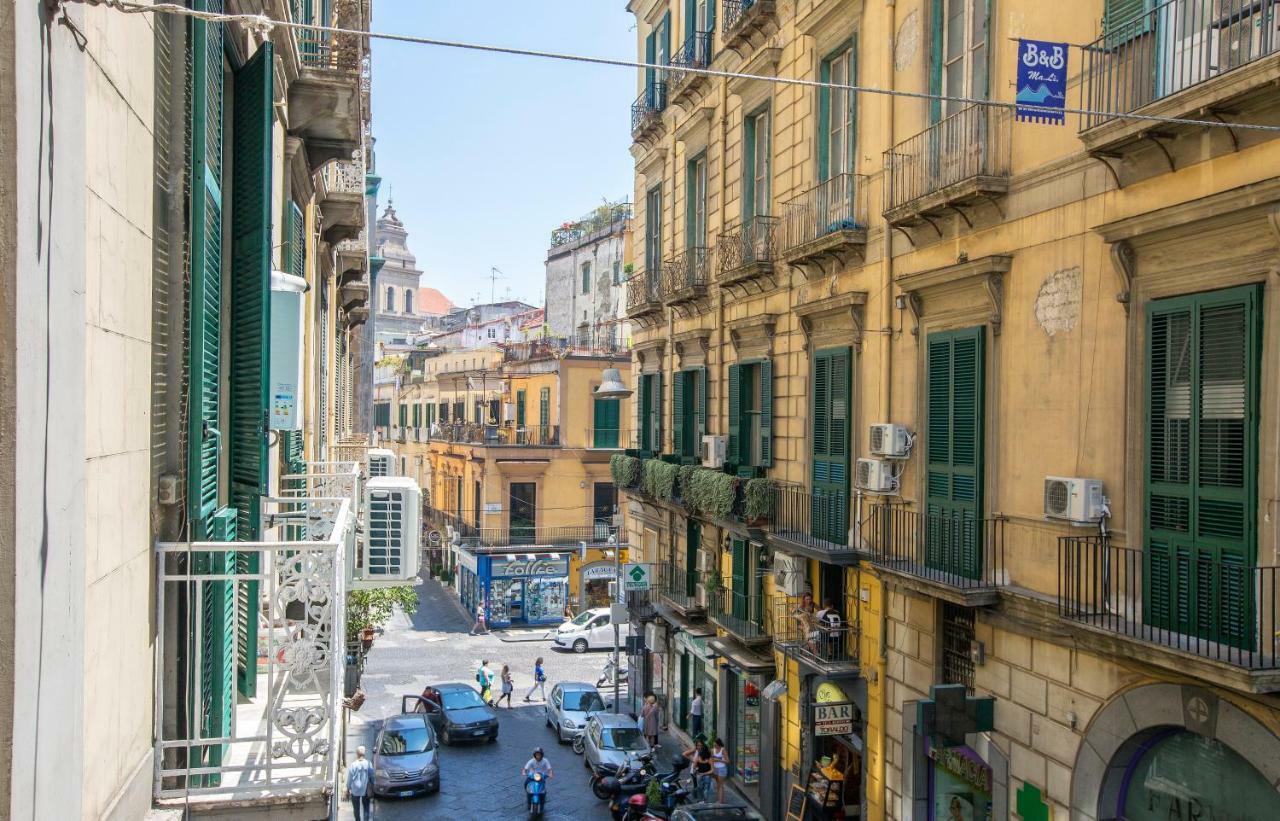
[[611, 386]]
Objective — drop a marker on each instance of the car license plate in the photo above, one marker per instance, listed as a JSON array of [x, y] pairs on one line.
[[479, 732], [406, 793]]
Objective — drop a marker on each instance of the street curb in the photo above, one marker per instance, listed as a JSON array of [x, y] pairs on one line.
[[511, 638]]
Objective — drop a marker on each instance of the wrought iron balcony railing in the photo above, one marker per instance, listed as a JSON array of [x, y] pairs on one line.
[[597, 532], [694, 53], [644, 293], [472, 433], [606, 438], [1212, 607], [834, 210], [324, 49], [741, 614], [954, 549], [813, 519], [1173, 46], [679, 586], [747, 249], [968, 150], [744, 14], [829, 642], [684, 276], [646, 111], [266, 725]]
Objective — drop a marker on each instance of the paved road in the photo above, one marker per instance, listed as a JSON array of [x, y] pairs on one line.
[[477, 781]]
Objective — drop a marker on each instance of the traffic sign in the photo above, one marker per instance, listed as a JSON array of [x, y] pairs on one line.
[[635, 577]]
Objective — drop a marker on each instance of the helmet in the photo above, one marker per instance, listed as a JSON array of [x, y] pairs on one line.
[[638, 800], [537, 751]]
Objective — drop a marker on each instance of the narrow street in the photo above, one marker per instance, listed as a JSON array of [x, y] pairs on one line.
[[477, 780]]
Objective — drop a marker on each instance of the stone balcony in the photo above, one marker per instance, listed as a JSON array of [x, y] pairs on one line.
[[340, 196]]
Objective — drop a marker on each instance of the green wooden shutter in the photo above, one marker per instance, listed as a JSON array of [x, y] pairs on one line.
[[1203, 357], [544, 408], [935, 59], [739, 581], [677, 413], [692, 543], [735, 413], [749, 160], [700, 409], [657, 413], [295, 241], [606, 414], [824, 121], [1118, 17], [642, 415], [520, 409], [766, 413], [666, 34], [830, 474], [650, 57], [250, 328], [954, 442]]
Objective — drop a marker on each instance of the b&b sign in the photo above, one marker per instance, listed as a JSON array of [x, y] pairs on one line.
[[1042, 81], [833, 719]]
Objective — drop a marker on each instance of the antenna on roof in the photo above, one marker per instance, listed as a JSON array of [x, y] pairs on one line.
[[494, 276]]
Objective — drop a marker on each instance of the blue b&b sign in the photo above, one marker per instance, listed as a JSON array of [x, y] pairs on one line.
[[1042, 81]]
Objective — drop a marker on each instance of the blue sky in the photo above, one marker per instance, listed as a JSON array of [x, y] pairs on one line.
[[485, 154]]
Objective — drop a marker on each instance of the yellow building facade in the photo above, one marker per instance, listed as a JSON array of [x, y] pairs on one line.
[[1071, 329]]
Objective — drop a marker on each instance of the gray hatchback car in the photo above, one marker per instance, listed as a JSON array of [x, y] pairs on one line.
[[570, 705], [610, 740], [405, 757]]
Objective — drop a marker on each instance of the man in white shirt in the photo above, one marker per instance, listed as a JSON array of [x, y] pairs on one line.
[[358, 776], [695, 714], [537, 764]]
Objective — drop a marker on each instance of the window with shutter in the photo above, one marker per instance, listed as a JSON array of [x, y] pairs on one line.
[[544, 408], [520, 409], [250, 324], [734, 445], [835, 115], [1203, 358], [755, 166], [607, 417], [830, 473], [688, 412], [678, 426], [954, 443]]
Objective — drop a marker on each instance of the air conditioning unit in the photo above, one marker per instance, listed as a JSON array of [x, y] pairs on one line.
[[391, 531], [789, 573], [713, 451], [890, 441], [1075, 500], [876, 476], [382, 462]]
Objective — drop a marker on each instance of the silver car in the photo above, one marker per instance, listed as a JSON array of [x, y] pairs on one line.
[[570, 705], [405, 759], [611, 739]]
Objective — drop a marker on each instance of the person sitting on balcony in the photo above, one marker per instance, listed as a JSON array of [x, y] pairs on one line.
[[806, 622], [830, 622]]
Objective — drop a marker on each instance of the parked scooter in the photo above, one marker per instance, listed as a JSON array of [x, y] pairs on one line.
[[535, 788], [627, 775], [608, 674], [673, 793]]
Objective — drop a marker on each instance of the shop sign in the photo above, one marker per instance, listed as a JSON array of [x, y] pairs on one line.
[[493, 507], [833, 719], [523, 566], [467, 560], [964, 766], [635, 577], [598, 571]]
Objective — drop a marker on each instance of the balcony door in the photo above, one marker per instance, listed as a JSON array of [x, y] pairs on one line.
[[958, 65], [829, 505], [1203, 355], [523, 514], [692, 543]]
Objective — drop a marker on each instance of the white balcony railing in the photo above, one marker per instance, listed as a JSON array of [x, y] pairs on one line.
[[279, 737]]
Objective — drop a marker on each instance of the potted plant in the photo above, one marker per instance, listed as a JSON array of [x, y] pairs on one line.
[[758, 501], [369, 609]]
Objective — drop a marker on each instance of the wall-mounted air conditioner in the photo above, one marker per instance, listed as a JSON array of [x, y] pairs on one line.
[[284, 377], [789, 573], [391, 531], [1073, 499], [382, 462], [891, 441], [876, 476], [713, 451]]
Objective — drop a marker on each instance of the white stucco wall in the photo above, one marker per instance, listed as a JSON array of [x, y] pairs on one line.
[[567, 304]]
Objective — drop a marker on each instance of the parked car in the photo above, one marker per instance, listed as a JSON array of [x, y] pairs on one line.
[[405, 757], [457, 713], [590, 630], [570, 705], [610, 739], [715, 812]]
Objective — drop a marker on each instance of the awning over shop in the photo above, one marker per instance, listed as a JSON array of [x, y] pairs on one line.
[[741, 657]]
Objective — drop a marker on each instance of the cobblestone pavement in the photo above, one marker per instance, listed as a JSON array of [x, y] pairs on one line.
[[477, 781]]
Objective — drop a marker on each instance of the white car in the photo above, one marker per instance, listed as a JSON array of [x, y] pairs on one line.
[[590, 630]]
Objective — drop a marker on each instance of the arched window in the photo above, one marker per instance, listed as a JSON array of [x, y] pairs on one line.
[[408, 300], [390, 304]]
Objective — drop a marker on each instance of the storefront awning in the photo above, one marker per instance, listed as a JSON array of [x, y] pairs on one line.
[[677, 621], [741, 657]]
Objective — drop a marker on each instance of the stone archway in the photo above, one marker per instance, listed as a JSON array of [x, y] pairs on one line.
[[1131, 719]]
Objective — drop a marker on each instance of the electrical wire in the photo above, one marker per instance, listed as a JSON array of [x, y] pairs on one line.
[[264, 24]]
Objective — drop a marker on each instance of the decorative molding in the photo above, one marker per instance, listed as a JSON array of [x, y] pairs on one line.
[[1125, 262], [827, 320], [696, 127], [649, 355], [645, 167], [752, 336], [692, 346], [763, 64], [986, 273], [1188, 214]]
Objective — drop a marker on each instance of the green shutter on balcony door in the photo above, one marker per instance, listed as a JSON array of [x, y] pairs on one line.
[[677, 413], [250, 325], [607, 423], [1203, 359], [739, 579], [830, 473], [657, 413], [935, 59], [544, 409], [734, 445], [650, 57], [766, 413], [954, 441], [642, 415]]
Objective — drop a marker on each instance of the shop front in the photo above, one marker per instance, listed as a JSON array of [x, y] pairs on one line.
[[595, 582], [693, 666], [952, 770], [833, 745], [515, 588], [743, 677]]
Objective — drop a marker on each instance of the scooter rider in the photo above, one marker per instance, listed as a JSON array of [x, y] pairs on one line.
[[537, 764]]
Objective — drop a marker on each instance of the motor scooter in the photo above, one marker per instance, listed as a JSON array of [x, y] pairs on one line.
[[535, 788], [673, 793], [608, 674], [627, 775]]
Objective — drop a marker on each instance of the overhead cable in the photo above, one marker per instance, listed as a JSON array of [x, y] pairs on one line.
[[264, 24]]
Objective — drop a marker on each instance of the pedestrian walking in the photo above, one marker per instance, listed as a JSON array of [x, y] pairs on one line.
[[703, 769], [358, 776], [539, 681], [479, 628], [507, 686], [720, 768], [484, 677], [695, 715], [651, 718]]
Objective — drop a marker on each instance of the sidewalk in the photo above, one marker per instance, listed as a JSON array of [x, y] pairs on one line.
[[524, 634], [672, 742]]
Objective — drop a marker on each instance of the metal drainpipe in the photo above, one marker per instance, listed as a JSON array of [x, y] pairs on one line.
[[724, 196], [886, 284]]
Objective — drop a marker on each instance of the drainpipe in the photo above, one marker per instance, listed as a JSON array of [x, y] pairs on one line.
[[723, 373], [886, 277]]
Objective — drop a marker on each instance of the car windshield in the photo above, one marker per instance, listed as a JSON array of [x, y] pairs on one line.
[[405, 741], [583, 617], [462, 699], [585, 701], [624, 738]]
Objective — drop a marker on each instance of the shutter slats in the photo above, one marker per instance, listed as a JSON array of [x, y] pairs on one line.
[[830, 447], [735, 412], [953, 443], [677, 413], [766, 413]]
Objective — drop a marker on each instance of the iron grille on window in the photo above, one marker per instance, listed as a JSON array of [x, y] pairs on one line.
[[957, 638]]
